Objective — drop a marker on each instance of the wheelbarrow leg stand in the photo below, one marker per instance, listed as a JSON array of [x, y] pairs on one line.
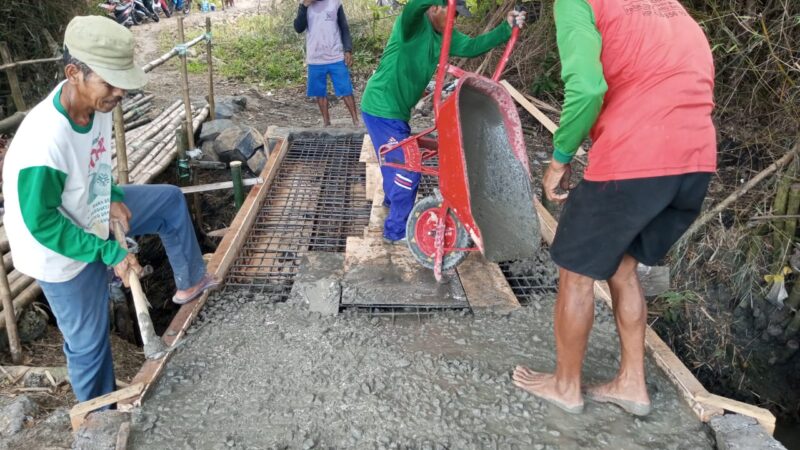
[[439, 243]]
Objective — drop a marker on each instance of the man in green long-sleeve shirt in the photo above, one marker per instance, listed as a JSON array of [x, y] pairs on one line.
[[408, 63]]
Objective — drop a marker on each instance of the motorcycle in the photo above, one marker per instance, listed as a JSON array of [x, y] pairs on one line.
[[145, 10], [122, 13], [160, 6]]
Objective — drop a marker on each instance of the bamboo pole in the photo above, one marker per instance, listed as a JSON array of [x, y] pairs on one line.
[[761, 176], [183, 161], [13, 81], [187, 104], [10, 316], [160, 163], [172, 53], [139, 100], [17, 64], [121, 149], [238, 185], [784, 234], [779, 208], [137, 123], [25, 298], [210, 61]]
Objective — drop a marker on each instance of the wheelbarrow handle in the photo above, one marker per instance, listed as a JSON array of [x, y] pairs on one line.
[[501, 66], [444, 56]]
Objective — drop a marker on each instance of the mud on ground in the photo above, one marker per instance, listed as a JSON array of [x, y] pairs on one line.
[[256, 374]]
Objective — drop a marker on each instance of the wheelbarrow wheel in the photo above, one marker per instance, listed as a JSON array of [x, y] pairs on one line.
[[421, 233]]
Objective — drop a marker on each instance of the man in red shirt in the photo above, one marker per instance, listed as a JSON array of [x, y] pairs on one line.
[[639, 80]]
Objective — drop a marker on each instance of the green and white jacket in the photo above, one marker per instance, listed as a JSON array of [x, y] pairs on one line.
[[58, 191]]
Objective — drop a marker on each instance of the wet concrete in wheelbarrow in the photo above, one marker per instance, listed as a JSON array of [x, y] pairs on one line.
[[254, 374]]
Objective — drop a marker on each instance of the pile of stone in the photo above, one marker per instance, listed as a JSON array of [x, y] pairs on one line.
[[226, 140]]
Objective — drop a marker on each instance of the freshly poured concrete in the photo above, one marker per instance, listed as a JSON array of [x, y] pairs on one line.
[[254, 374]]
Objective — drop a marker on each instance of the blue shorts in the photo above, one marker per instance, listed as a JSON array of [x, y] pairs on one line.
[[318, 79]]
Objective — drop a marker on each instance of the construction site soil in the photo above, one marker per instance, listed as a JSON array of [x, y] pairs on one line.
[[257, 374]]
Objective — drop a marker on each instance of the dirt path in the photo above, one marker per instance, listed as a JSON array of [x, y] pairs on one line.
[[282, 107]]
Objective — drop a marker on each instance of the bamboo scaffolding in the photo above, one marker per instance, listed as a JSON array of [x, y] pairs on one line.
[[187, 103], [172, 53]]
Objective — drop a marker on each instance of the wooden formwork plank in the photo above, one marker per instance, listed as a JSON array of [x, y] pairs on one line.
[[367, 151], [78, 413], [486, 287], [374, 179], [534, 111], [377, 215], [373, 167], [219, 265], [704, 404]]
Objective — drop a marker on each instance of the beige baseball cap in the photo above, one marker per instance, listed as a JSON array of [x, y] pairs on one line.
[[107, 48]]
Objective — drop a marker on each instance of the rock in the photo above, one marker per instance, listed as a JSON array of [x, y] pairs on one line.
[[317, 283], [236, 144], [257, 162], [15, 414], [100, 430], [208, 152], [214, 128], [227, 107], [737, 432]]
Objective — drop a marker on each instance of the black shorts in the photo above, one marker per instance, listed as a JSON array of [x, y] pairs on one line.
[[644, 217]]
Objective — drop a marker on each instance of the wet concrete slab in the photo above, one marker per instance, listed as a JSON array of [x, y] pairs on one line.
[[376, 273], [256, 374]]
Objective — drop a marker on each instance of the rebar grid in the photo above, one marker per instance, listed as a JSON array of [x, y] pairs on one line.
[[527, 287], [315, 202]]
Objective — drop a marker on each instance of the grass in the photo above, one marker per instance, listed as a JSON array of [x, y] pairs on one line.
[[266, 51]]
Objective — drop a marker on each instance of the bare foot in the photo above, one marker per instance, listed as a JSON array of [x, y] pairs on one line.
[[545, 387], [630, 396]]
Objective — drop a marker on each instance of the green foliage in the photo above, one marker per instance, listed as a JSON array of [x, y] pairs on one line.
[[672, 304]]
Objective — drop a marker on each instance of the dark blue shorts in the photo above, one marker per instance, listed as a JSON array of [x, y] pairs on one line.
[[318, 79]]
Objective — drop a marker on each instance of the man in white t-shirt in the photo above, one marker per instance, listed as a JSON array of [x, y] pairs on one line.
[[60, 200]]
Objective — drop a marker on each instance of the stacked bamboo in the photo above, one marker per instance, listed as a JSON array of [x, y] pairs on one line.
[[152, 148], [137, 111]]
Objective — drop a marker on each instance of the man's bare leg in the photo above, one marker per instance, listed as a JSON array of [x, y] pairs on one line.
[[628, 389], [351, 106], [323, 108], [574, 315]]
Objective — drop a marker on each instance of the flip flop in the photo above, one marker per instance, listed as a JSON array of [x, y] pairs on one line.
[[631, 407], [577, 409], [209, 281]]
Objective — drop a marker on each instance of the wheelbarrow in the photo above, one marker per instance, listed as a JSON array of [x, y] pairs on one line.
[[485, 199]]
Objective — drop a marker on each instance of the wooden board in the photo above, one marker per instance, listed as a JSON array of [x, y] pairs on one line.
[[220, 263], [486, 287], [534, 111], [367, 151], [763, 416], [374, 179], [704, 404], [78, 413], [377, 215]]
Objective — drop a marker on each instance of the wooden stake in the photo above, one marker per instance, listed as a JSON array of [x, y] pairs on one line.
[[11, 318], [238, 184], [187, 104], [121, 148], [181, 137], [210, 61], [13, 81]]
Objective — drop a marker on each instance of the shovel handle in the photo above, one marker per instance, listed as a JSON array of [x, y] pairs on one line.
[[133, 279]]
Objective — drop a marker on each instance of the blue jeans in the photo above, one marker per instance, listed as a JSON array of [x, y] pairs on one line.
[[81, 304], [399, 186]]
